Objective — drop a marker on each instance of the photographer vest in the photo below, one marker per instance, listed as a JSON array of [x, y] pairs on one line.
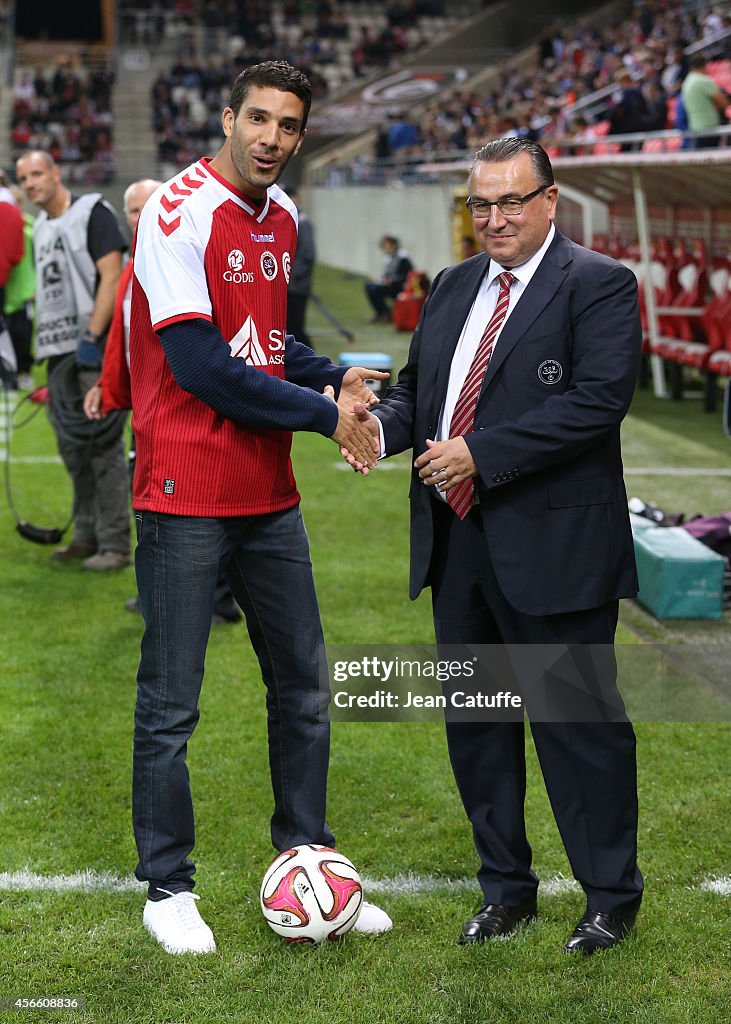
[[66, 277]]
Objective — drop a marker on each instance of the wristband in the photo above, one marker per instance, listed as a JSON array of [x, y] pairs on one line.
[[88, 356]]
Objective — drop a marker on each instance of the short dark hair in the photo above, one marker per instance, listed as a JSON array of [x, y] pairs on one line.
[[501, 150], [274, 74], [698, 60]]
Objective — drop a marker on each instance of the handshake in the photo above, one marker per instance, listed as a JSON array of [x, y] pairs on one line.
[[357, 433], [443, 465]]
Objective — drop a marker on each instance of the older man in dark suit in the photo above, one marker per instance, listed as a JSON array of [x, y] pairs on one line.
[[520, 372]]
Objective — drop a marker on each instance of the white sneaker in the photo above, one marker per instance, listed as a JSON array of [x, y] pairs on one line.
[[177, 925], [372, 920]]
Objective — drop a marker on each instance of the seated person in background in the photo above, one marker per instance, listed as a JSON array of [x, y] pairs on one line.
[[396, 265]]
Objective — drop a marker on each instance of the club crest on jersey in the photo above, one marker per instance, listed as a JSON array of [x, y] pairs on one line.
[[269, 265], [286, 266], [236, 272]]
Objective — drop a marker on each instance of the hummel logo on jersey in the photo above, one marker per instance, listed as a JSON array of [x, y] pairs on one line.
[[245, 345], [175, 194], [262, 238]]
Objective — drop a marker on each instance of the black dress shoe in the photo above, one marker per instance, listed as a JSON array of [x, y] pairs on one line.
[[496, 919], [600, 931]]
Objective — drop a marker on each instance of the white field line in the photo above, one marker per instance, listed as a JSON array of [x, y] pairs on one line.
[[720, 886], [88, 881], [40, 460], [406, 884], [410, 884]]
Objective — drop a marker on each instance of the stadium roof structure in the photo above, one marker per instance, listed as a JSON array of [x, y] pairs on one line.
[[688, 178], [699, 178]]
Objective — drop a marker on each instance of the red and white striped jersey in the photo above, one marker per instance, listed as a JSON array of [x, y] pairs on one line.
[[204, 250]]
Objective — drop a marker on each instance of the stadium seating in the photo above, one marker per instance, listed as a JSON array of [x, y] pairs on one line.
[[334, 47], [65, 108]]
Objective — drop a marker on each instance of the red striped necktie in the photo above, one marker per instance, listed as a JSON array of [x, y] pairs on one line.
[[461, 496]]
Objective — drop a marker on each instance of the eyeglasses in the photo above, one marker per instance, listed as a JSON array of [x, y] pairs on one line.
[[509, 207]]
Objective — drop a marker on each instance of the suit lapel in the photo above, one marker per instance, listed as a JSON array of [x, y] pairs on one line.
[[542, 287]]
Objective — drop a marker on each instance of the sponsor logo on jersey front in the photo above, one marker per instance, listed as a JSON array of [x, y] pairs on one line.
[[262, 238], [269, 265], [286, 266], [246, 345], [236, 273]]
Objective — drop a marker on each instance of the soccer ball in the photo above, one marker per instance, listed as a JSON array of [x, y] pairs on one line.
[[311, 894]]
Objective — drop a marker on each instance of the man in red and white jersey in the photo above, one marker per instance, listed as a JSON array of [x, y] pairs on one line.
[[217, 389]]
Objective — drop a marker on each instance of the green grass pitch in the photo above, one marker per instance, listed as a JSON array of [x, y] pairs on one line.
[[67, 685]]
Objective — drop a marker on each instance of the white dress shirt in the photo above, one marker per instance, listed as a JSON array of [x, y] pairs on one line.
[[479, 316]]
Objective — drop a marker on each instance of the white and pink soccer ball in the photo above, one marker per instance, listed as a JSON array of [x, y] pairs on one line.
[[311, 894]]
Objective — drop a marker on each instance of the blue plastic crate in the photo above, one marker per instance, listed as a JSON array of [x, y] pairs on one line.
[[371, 361]]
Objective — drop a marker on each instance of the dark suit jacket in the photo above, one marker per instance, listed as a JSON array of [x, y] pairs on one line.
[[546, 435]]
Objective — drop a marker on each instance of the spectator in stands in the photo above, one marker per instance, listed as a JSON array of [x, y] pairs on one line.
[[656, 105], [536, 103], [581, 132], [629, 112], [704, 101], [67, 113], [396, 265]]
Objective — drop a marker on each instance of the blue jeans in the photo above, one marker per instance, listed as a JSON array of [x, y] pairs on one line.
[[266, 560]]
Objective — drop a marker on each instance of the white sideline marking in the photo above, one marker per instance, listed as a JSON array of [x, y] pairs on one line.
[[721, 886], [409, 884], [89, 881], [81, 881], [406, 884], [40, 460]]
